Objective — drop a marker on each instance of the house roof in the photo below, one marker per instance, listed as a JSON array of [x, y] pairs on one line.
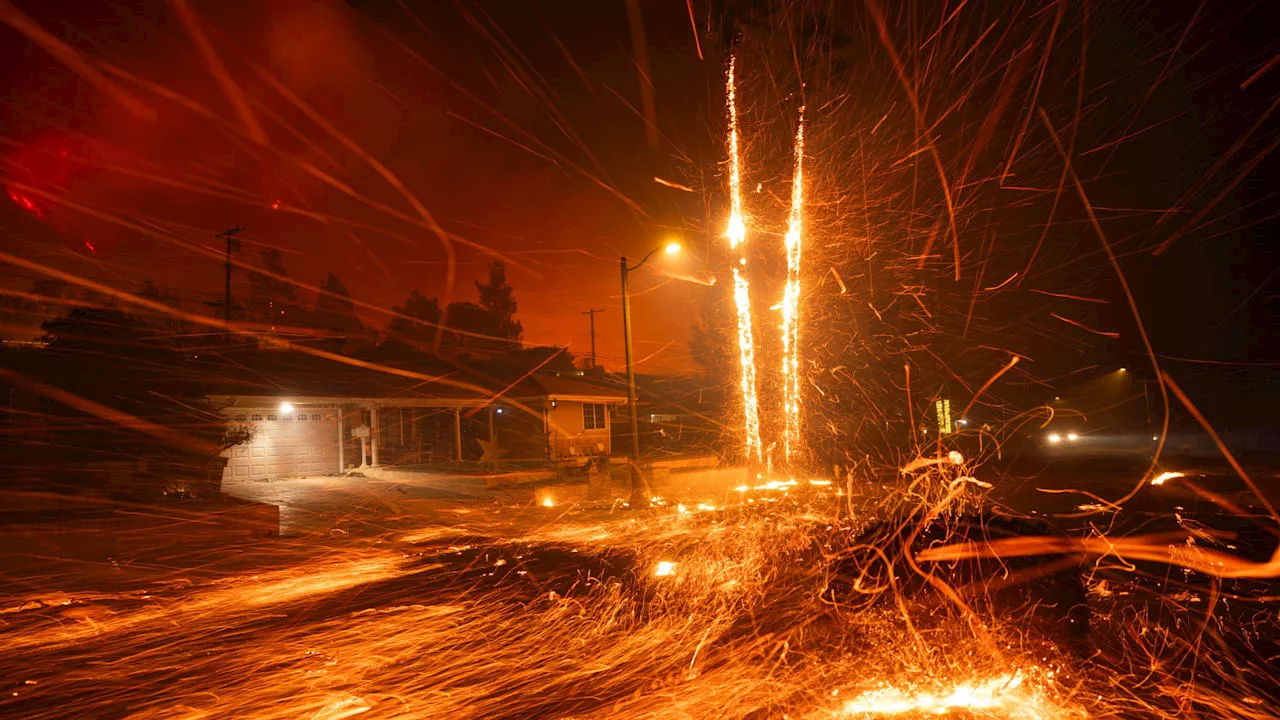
[[286, 374], [561, 386], [295, 376]]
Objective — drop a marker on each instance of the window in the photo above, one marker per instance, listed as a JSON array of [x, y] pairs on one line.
[[593, 417], [317, 417], [286, 418], [256, 417], [241, 418], [302, 416], [271, 418]]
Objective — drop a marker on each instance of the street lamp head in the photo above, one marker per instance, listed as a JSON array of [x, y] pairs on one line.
[[673, 248]]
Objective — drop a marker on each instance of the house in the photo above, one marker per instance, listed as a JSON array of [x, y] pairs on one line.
[[576, 413], [320, 417]]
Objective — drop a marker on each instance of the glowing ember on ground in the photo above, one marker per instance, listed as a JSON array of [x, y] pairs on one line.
[[665, 568], [1005, 692]]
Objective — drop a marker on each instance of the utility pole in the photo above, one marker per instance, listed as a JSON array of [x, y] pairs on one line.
[[592, 314], [639, 498], [229, 235]]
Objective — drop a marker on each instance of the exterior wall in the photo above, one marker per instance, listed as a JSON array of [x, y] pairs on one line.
[[568, 438]]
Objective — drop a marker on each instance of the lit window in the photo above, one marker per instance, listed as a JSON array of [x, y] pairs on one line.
[[286, 418], [593, 417], [256, 417]]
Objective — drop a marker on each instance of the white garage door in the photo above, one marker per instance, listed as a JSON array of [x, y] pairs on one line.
[[303, 442]]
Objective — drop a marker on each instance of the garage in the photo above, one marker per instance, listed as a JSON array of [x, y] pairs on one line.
[[301, 441]]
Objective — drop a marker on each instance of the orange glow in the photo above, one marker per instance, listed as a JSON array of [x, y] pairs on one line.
[[25, 202], [1007, 692]]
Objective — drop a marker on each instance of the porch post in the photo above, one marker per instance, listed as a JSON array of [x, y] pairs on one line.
[[457, 433], [373, 434], [342, 461]]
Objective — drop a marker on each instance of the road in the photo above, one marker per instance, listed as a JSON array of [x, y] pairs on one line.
[[425, 600]]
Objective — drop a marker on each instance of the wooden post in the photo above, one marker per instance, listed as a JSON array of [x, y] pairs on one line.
[[457, 433], [373, 435], [342, 461]]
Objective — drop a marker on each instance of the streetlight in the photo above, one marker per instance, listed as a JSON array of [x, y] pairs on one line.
[[638, 497]]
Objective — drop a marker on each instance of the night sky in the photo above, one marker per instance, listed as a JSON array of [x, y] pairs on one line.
[[519, 127], [554, 176]]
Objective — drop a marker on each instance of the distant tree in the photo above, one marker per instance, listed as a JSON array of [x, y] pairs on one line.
[[22, 313], [157, 319], [712, 342], [499, 300], [334, 310], [473, 326], [272, 299], [402, 330], [543, 358]]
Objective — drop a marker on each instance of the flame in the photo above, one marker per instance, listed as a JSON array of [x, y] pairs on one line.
[[791, 308], [737, 233], [1164, 477]]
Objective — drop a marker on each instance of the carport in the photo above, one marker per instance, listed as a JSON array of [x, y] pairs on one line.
[[295, 435]]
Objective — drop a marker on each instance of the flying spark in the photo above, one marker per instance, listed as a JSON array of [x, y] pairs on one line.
[[737, 233], [791, 307]]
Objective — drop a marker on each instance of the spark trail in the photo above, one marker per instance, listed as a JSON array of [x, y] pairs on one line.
[[791, 307], [737, 233]]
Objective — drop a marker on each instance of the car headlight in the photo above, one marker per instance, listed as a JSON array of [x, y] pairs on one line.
[[1055, 438]]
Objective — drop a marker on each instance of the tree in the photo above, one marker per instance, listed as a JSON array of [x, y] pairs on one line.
[[118, 392], [334, 310], [160, 320], [711, 342], [476, 327], [22, 314], [499, 301], [272, 299], [402, 330]]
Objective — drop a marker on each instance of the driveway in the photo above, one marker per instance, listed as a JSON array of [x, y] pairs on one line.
[[327, 503]]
